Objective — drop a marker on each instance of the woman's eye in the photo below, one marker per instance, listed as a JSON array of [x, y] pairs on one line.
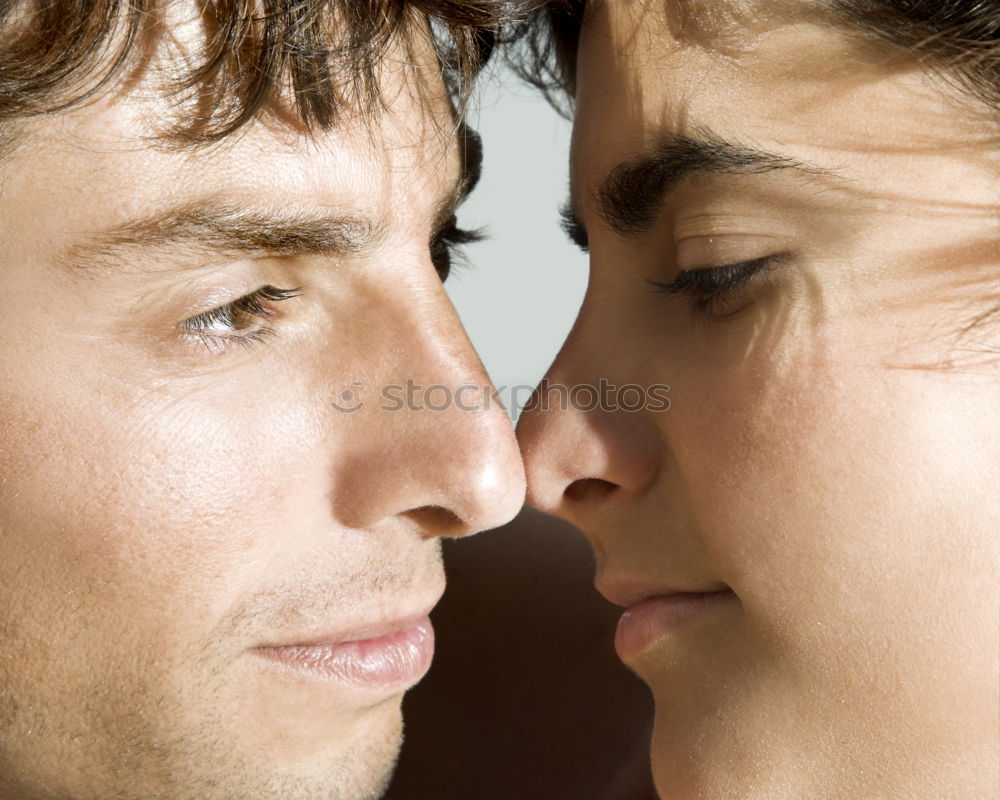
[[447, 243], [241, 322], [715, 290]]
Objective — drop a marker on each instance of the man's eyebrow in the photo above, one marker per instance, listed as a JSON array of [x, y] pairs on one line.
[[210, 227], [630, 195]]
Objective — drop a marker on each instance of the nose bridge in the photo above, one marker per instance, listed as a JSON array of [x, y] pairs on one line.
[[592, 364], [438, 445]]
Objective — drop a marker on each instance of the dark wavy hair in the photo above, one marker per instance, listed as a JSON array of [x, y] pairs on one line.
[[56, 54], [958, 39]]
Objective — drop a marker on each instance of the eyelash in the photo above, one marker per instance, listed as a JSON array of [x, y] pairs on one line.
[[712, 287], [447, 243], [573, 227], [251, 305]]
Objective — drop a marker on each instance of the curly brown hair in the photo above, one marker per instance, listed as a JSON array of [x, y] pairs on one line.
[[55, 54]]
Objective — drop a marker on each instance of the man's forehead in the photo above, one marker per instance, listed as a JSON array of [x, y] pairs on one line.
[[412, 125], [125, 143], [404, 175], [108, 142]]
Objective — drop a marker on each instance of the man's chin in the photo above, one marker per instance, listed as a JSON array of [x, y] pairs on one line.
[[288, 737], [355, 763], [217, 762], [357, 768]]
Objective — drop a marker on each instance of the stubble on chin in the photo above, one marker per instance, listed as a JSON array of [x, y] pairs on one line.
[[140, 742]]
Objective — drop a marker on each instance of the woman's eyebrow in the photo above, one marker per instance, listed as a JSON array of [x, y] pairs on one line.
[[629, 197]]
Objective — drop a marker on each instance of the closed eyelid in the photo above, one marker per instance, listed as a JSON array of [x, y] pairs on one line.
[[697, 252], [713, 222]]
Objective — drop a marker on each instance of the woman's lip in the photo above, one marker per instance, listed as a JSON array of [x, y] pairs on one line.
[[645, 622], [391, 660]]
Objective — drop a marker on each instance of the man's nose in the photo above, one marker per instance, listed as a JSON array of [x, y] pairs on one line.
[[431, 442]]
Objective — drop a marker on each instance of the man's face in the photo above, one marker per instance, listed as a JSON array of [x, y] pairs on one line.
[[819, 224], [214, 572]]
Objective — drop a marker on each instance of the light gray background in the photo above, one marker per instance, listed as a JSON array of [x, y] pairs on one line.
[[522, 287]]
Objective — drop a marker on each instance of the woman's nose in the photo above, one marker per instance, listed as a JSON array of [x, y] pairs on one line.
[[585, 439]]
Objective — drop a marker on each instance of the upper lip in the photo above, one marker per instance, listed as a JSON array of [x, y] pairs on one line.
[[354, 630], [625, 591]]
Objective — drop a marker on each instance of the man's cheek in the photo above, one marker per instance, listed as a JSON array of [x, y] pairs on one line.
[[136, 507]]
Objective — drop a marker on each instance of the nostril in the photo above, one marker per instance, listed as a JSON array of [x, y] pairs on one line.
[[588, 489], [438, 520]]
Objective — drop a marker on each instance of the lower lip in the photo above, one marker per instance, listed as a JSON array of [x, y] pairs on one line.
[[394, 661], [648, 621]]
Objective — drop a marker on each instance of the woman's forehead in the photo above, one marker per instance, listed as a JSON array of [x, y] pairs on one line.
[[722, 24], [802, 84]]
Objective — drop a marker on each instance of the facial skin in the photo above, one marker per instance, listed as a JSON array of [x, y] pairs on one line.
[[171, 501], [830, 455]]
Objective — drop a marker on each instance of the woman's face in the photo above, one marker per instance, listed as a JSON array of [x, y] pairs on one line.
[[798, 233]]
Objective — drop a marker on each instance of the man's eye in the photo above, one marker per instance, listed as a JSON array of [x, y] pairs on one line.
[[714, 290], [447, 243], [240, 322]]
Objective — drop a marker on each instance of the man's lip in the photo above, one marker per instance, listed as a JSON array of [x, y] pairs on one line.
[[384, 656], [352, 632]]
